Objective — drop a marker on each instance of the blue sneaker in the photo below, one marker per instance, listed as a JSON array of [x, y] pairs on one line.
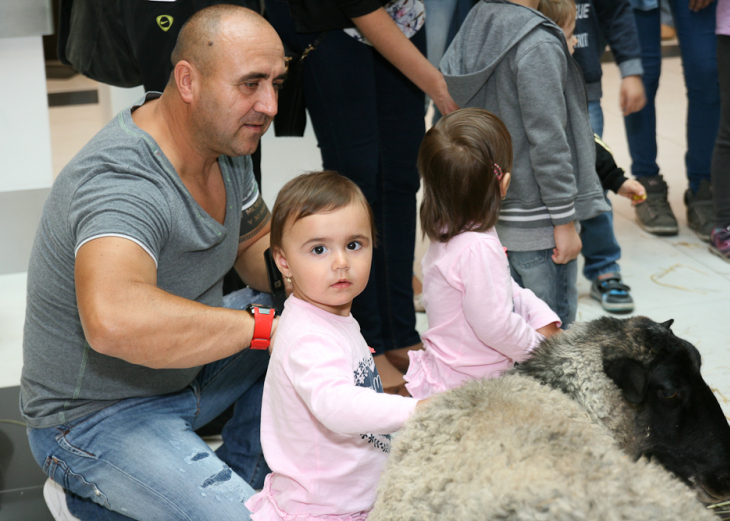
[[612, 293]]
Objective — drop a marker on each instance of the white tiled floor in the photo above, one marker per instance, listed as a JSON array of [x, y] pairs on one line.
[[672, 277]]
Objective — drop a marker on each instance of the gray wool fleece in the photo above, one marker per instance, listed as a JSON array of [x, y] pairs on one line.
[[514, 62]]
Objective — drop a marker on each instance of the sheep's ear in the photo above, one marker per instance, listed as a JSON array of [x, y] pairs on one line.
[[630, 377], [668, 324]]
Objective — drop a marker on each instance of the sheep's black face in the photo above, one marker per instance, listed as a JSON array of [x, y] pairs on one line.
[[683, 425]]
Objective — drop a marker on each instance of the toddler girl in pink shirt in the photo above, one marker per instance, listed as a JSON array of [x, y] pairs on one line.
[[325, 421], [480, 321]]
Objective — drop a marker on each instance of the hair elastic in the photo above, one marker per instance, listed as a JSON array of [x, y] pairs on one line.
[[498, 172]]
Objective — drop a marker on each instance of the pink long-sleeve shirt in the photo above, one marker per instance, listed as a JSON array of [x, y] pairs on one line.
[[324, 420], [480, 321]]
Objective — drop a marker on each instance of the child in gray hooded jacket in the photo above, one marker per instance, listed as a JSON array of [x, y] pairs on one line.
[[511, 60]]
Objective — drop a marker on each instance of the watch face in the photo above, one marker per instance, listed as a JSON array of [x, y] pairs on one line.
[[262, 309]]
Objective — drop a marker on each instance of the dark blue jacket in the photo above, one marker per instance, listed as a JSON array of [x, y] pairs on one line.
[[605, 21]]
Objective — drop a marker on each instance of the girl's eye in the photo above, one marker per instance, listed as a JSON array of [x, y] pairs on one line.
[[319, 250], [354, 245]]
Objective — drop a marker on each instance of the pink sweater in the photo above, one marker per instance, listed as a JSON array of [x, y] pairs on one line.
[[723, 17], [324, 420], [480, 321]]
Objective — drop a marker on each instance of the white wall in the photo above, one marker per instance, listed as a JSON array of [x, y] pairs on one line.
[[25, 142]]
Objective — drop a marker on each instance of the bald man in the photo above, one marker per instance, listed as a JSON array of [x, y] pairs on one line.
[[127, 348]]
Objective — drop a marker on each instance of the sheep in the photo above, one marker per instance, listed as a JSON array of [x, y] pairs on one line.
[[561, 436]]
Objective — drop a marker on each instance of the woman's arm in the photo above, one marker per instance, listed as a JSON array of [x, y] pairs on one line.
[[380, 29]]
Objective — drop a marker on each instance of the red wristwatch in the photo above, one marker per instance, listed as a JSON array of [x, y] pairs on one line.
[[263, 321]]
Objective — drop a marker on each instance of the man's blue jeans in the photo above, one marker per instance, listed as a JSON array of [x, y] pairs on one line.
[[555, 284], [698, 44], [139, 458]]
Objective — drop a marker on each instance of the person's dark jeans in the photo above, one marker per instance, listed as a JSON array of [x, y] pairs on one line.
[[697, 42], [721, 156], [369, 123]]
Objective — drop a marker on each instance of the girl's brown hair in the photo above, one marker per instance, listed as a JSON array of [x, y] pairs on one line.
[[312, 193], [559, 11], [459, 161]]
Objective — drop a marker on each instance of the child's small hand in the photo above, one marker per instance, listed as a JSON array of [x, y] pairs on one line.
[[567, 243], [549, 330], [633, 190], [422, 403]]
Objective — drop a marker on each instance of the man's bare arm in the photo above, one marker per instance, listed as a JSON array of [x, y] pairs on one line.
[[250, 263], [125, 315], [253, 241]]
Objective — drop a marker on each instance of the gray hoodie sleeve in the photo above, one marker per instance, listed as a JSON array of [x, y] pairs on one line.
[[541, 76]]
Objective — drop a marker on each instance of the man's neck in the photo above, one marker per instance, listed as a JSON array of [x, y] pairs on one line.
[[166, 120]]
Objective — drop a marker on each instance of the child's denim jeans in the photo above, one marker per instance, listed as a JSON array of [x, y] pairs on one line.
[[555, 284]]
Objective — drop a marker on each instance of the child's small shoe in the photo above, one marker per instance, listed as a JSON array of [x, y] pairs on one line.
[[612, 293], [720, 243]]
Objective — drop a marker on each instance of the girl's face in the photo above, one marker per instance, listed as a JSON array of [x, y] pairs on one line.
[[328, 256]]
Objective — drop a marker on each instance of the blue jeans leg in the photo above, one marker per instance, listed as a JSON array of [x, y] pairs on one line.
[[555, 284], [641, 125], [140, 458], [601, 250], [698, 47], [595, 114]]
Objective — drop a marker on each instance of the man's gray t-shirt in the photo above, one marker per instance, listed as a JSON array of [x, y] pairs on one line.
[[119, 184]]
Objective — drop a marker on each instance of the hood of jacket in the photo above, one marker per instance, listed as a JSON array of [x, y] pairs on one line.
[[488, 34]]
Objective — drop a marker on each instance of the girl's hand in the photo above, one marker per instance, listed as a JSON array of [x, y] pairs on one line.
[[633, 190], [422, 403], [549, 330], [567, 243]]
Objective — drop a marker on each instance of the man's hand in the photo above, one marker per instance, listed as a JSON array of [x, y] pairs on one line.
[[632, 97], [567, 243], [698, 5], [633, 190], [549, 330]]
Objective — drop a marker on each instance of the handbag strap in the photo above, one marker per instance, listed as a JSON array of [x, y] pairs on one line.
[[312, 46]]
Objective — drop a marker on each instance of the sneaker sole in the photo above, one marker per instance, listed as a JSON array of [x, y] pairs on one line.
[[702, 236], [718, 253], [663, 231]]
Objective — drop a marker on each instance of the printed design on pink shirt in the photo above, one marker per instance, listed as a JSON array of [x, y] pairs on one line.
[[366, 375]]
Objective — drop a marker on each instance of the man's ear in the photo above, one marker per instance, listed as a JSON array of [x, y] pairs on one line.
[[184, 76]]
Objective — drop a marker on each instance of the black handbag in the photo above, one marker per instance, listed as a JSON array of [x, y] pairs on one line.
[[93, 40], [291, 118]]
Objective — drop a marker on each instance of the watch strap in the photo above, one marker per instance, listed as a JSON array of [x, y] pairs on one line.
[[263, 321]]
